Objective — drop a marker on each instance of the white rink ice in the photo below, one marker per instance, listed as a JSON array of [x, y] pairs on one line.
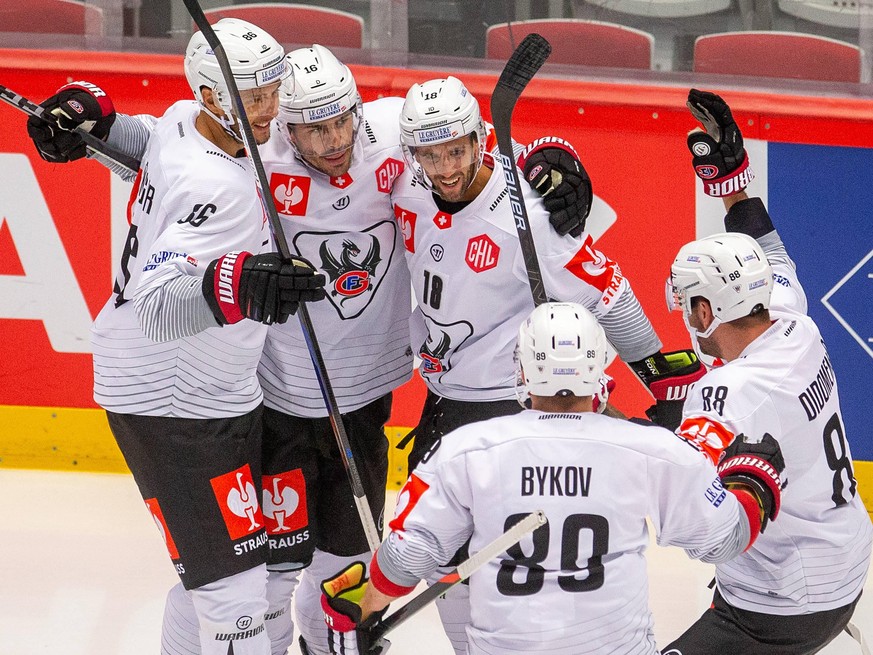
[[83, 571]]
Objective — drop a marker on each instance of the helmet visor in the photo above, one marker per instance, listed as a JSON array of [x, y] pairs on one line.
[[447, 158], [325, 138]]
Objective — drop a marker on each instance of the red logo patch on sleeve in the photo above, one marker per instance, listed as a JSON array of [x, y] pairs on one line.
[[406, 221], [290, 193], [407, 499], [158, 517], [389, 171], [238, 501], [596, 269], [284, 502]]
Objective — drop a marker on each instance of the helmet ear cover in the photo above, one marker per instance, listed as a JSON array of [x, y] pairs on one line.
[[436, 112], [561, 351]]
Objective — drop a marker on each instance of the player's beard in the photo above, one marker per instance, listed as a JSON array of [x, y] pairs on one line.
[[462, 179], [334, 163]]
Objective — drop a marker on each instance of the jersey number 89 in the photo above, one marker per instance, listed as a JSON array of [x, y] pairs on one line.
[[533, 581]]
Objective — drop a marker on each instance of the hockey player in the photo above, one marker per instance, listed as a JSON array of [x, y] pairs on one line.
[[176, 347], [471, 285], [577, 584], [795, 589], [332, 161]]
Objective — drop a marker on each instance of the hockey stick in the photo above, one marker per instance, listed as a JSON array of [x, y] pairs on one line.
[[251, 148], [92, 143], [527, 59], [464, 570]]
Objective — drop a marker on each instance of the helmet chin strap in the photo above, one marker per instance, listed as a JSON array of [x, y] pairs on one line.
[[226, 124], [709, 361]]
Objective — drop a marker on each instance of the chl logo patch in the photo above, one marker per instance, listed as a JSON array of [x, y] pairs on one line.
[[406, 219], [284, 500], [482, 253], [389, 171], [290, 193], [158, 517], [238, 501]]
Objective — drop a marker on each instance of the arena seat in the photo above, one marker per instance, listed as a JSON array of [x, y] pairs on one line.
[[576, 41], [298, 24], [778, 54], [663, 8], [49, 17]]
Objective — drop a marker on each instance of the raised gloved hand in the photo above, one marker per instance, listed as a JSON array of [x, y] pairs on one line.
[[669, 376], [341, 595], [755, 467], [262, 288], [79, 104], [553, 169], [719, 157]]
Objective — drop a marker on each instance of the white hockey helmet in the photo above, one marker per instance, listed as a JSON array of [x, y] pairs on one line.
[[255, 58], [561, 351], [435, 112], [730, 270], [321, 87]]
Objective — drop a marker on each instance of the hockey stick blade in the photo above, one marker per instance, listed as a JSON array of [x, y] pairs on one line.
[[92, 143], [524, 63], [464, 570], [527, 59], [365, 514]]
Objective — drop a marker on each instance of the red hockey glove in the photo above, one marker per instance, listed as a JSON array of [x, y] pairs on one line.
[[601, 398], [754, 468], [553, 169], [79, 104], [262, 288], [719, 157], [340, 601], [669, 376]]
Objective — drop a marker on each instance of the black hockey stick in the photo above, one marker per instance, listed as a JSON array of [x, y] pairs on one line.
[[464, 570], [251, 147], [527, 59], [92, 143]]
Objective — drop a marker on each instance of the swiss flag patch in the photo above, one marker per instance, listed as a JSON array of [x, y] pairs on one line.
[[290, 193]]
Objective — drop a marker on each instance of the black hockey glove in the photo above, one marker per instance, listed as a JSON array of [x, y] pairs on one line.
[[553, 169], [719, 157], [262, 288], [340, 600], [668, 377], [80, 104], [756, 467]]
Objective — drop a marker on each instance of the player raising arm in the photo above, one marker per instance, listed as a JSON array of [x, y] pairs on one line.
[[578, 583], [795, 589]]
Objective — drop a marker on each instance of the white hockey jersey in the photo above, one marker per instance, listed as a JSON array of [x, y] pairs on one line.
[[816, 554], [578, 585], [471, 284], [344, 226], [190, 204]]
